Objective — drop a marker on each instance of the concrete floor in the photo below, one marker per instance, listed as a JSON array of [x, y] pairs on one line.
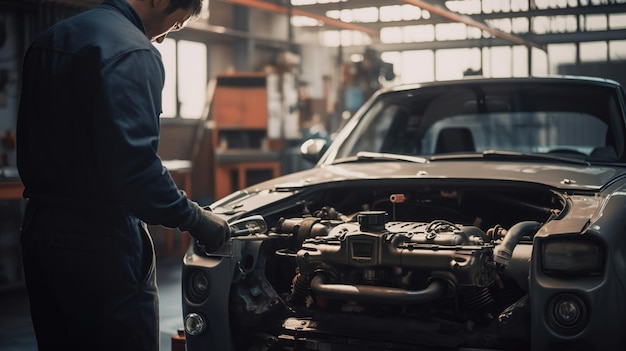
[[16, 330]]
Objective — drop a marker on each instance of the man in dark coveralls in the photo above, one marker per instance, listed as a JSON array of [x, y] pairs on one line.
[[87, 138]]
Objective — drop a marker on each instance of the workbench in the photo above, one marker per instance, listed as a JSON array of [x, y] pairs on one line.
[[11, 188], [235, 169]]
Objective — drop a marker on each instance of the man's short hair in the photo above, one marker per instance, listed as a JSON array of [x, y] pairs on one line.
[[195, 5]]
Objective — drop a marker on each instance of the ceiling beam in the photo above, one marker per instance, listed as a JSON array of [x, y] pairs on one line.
[[543, 39], [453, 16], [607, 7], [262, 5], [570, 11], [347, 5], [434, 9]]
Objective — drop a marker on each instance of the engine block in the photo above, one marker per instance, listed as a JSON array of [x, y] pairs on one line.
[[462, 255]]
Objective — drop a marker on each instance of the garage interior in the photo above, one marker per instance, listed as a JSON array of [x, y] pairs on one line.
[[249, 80]]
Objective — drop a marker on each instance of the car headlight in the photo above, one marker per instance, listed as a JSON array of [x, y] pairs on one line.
[[198, 286], [567, 313], [572, 257], [195, 324]]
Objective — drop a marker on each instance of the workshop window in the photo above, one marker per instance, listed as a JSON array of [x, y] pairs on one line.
[[184, 93], [617, 50]]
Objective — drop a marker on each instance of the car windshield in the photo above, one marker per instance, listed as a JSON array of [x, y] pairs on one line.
[[566, 119]]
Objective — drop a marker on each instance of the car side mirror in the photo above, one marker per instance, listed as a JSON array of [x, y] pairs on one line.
[[313, 149]]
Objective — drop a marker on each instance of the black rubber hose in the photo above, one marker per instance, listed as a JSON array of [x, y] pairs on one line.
[[503, 252]]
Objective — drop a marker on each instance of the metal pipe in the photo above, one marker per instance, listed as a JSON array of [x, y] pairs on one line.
[[380, 294], [295, 12]]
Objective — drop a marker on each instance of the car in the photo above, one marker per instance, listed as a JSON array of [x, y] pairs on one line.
[[475, 214]]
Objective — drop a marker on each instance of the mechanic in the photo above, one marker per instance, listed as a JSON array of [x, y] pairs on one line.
[[87, 139]]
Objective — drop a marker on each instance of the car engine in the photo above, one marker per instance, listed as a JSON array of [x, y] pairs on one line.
[[326, 281]]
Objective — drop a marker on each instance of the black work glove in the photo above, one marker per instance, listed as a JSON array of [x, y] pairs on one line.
[[210, 230]]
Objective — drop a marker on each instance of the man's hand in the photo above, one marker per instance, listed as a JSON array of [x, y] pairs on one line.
[[210, 230]]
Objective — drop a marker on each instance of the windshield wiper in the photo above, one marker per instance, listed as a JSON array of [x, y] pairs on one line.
[[525, 156], [379, 156], [366, 155]]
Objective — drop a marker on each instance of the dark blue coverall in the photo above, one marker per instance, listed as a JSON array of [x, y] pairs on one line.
[[87, 138]]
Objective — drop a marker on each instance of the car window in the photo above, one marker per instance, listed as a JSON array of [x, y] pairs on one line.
[[381, 129], [528, 132], [566, 119]]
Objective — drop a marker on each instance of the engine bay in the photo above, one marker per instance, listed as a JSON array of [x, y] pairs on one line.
[[366, 268]]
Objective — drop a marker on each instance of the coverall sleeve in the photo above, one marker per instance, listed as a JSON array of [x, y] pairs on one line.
[[126, 133]]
